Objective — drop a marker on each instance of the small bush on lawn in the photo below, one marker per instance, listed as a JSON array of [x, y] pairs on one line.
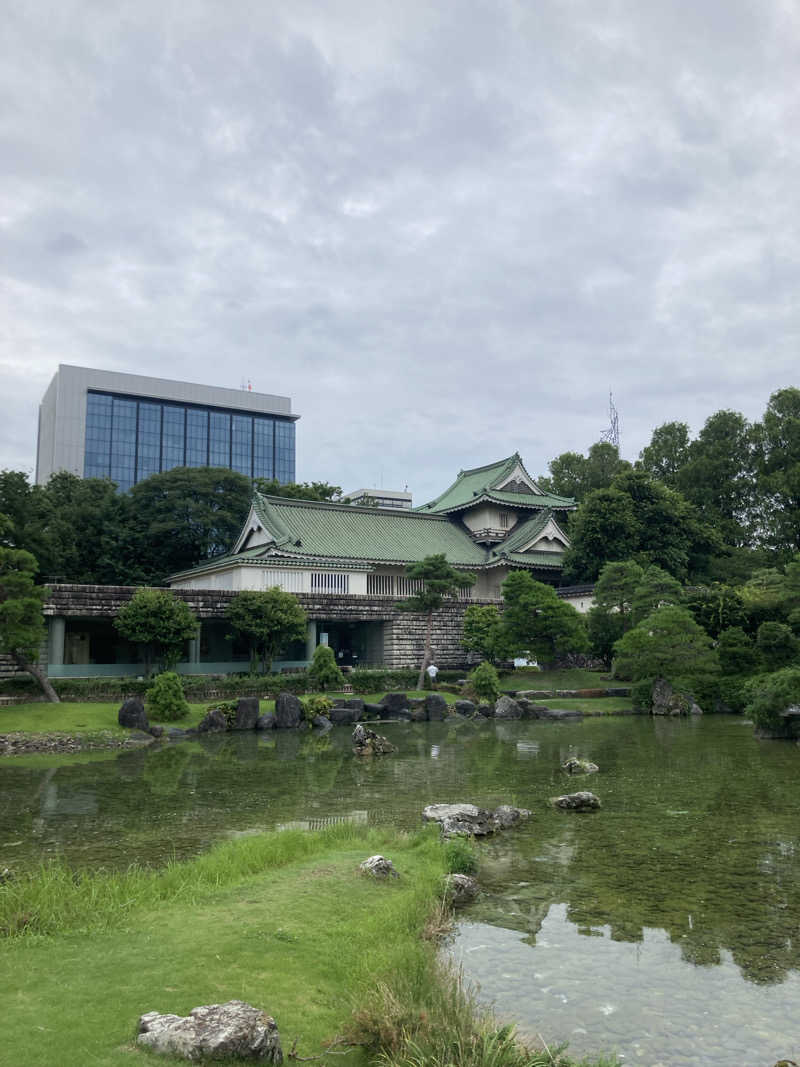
[[165, 699], [317, 705], [323, 672], [484, 682]]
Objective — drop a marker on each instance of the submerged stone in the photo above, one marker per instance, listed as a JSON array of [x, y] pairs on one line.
[[583, 801]]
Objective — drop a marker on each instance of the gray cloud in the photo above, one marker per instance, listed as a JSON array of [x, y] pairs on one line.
[[446, 230]]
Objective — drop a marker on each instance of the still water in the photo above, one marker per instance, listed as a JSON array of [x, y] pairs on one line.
[[665, 926]]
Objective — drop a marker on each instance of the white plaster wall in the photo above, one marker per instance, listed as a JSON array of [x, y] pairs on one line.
[[487, 517]]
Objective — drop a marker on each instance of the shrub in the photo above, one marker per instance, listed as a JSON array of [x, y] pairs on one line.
[[165, 699], [769, 694], [484, 682], [323, 671], [316, 705]]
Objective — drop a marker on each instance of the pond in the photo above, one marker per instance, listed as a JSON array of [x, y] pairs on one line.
[[665, 926]]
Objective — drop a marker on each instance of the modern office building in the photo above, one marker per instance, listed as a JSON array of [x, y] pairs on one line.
[[380, 498], [105, 424]]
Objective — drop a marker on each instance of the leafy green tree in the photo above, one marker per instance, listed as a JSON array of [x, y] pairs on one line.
[[537, 621], [481, 629], [777, 644], [269, 621], [667, 452], [166, 699], [655, 589], [440, 583], [777, 461], [484, 682], [184, 516], [737, 652], [158, 621], [298, 490], [638, 518], [718, 477], [26, 510], [610, 615], [716, 607], [22, 624], [668, 643], [324, 671], [84, 529], [573, 474]]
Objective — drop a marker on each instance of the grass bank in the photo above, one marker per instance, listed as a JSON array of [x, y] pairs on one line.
[[283, 920], [573, 678]]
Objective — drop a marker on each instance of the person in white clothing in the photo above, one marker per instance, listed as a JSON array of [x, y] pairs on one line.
[[432, 671]]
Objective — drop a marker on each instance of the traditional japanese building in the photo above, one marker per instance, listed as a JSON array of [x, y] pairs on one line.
[[347, 566]]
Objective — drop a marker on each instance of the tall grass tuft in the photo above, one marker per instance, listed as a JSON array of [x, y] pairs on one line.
[[54, 898]]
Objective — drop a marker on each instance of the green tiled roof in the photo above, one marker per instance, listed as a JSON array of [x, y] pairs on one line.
[[341, 531], [524, 532], [473, 486]]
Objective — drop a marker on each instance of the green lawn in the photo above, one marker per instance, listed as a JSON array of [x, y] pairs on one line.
[[76, 719], [566, 679], [305, 938]]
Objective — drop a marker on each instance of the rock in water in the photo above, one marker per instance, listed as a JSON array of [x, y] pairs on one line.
[[507, 816], [246, 714], [460, 890], [213, 721], [213, 1031], [465, 708], [576, 765], [576, 802], [288, 711], [435, 707], [507, 708], [367, 743], [378, 867], [133, 716]]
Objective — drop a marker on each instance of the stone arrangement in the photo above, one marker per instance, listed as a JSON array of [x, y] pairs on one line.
[[460, 819], [213, 1031], [367, 743]]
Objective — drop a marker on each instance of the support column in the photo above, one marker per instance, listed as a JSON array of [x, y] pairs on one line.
[[311, 639], [56, 632], [194, 646]]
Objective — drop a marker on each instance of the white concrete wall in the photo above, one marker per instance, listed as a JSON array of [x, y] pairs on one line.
[[487, 517]]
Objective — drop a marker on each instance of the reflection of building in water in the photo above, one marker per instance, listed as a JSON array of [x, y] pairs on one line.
[[358, 817], [61, 800]]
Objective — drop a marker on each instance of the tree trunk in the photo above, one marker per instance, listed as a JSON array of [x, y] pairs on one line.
[[36, 672], [427, 656]]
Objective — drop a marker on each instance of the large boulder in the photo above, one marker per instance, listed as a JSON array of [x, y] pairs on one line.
[[345, 711], [213, 1031], [321, 722], [213, 721], [418, 712], [460, 890], [486, 711], [367, 743], [457, 819], [393, 703], [465, 708], [528, 708], [133, 716], [288, 711], [583, 801], [378, 867], [576, 765], [507, 708], [435, 707], [664, 700], [373, 711], [246, 714]]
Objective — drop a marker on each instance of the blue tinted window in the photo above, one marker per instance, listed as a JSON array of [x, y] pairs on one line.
[[196, 438], [172, 441], [284, 451], [242, 444], [263, 447], [148, 456], [123, 442], [219, 439], [97, 451]]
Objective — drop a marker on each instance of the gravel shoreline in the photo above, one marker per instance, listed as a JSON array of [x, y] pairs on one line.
[[19, 744]]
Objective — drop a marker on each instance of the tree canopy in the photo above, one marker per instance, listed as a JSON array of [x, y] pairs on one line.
[[440, 581], [22, 624], [160, 622], [668, 643], [537, 621], [269, 621]]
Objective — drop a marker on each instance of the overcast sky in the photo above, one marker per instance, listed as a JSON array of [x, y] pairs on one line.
[[445, 228]]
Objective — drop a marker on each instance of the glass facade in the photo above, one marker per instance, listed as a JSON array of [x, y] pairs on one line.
[[129, 439]]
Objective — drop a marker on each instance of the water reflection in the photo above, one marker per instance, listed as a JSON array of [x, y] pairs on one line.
[[696, 844]]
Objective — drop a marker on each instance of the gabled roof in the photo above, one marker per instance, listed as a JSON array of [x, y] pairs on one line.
[[488, 483], [526, 532]]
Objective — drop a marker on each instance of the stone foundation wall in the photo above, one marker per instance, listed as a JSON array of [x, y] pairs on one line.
[[403, 632]]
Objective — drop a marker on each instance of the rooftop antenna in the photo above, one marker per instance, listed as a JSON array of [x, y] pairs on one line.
[[612, 433]]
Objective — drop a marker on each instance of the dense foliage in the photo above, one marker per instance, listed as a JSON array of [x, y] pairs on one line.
[[269, 621], [160, 623], [22, 625], [324, 672], [165, 699], [484, 682]]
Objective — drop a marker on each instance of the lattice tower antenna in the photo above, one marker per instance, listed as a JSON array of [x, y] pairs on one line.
[[612, 433]]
